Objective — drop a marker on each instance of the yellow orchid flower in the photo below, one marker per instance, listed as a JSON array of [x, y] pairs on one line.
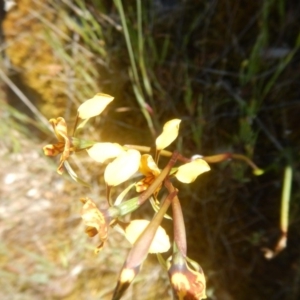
[[187, 284], [169, 134], [97, 220], [148, 168], [64, 144], [186, 173], [67, 144]]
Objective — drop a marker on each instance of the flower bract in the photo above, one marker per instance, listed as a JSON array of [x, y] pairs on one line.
[[187, 284]]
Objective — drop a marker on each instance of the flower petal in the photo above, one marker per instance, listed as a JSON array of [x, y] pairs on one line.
[[188, 172], [122, 168], [55, 149], [148, 166], [97, 221], [94, 218], [94, 106], [144, 183], [100, 152], [169, 134], [160, 243], [60, 128]]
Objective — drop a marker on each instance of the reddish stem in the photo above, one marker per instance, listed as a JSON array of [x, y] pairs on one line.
[[159, 179], [178, 221], [141, 247]]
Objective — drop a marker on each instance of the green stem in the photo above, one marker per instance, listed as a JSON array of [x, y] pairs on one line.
[[285, 199], [80, 144], [225, 156], [128, 206], [135, 76]]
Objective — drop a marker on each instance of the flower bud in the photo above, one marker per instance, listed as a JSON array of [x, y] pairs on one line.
[[187, 284]]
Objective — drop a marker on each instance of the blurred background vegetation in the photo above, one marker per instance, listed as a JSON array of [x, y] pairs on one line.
[[229, 69]]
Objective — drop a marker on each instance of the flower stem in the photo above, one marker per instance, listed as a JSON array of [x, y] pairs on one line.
[[141, 247], [159, 179], [178, 221]]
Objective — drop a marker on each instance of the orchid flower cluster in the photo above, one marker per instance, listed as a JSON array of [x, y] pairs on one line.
[[123, 161]]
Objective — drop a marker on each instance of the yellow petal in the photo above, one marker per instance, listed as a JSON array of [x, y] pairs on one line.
[[53, 150], [94, 106], [160, 243], [123, 167], [60, 128], [94, 219], [100, 152], [169, 134], [148, 166], [187, 173]]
